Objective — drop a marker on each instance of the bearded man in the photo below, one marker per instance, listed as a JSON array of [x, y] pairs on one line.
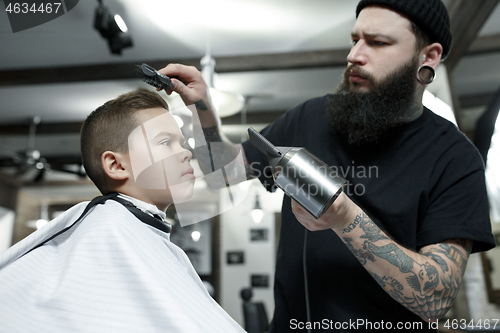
[[424, 207]]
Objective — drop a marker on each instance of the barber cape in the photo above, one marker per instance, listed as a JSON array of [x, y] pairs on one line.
[[109, 272]]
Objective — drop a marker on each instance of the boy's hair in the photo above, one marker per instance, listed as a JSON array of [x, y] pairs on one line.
[[107, 129]]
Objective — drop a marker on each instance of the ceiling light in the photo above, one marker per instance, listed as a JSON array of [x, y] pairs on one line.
[[195, 235], [40, 223], [120, 23], [112, 28], [226, 103], [178, 120], [257, 213]]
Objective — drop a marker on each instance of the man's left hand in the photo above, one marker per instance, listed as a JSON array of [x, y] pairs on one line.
[[338, 216]]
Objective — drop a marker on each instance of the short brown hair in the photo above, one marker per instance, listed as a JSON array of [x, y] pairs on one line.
[[107, 129]]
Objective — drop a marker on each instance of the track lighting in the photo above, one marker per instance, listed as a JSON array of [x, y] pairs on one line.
[[113, 28]]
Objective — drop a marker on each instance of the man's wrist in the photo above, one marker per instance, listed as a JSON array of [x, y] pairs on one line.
[[206, 113], [212, 134], [352, 215], [200, 105]]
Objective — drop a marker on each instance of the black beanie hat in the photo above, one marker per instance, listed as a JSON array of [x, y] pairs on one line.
[[429, 15]]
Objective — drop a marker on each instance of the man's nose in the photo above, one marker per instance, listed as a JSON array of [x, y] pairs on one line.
[[358, 53]]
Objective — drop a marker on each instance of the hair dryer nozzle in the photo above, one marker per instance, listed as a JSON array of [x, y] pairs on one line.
[[262, 144], [301, 175]]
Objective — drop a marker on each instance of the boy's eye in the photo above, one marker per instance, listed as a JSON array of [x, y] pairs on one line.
[[166, 142]]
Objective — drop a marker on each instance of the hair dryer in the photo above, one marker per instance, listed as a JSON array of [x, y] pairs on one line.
[[301, 175]]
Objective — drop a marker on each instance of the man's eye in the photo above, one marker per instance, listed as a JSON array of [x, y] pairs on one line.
[[354, 42], [379, 43]]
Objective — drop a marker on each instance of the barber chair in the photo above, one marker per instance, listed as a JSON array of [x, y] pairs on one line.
[[254, 313]]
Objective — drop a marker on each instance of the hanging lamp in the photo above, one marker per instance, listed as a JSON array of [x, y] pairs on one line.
[[227, 103]]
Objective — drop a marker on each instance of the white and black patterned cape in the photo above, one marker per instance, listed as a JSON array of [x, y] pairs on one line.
[[108, 273]]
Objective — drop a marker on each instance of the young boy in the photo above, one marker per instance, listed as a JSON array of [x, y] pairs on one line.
[[109, 265]]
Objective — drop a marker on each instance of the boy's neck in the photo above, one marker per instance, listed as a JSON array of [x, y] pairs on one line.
[[143, 205], [151, 197]]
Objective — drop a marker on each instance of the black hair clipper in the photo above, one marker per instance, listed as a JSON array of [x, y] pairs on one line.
[[152, 77]]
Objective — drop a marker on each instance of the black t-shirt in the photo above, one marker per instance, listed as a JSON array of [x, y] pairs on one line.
[[423, 186]]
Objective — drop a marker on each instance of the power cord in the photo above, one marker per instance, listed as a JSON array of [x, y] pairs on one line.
[[306, 284]]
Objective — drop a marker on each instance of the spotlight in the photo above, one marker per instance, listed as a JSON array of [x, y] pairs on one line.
[[113, 28]]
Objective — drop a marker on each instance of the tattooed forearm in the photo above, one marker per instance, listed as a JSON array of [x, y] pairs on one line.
[[392, 253], [371, 230], [214, 152], [218, 152], [200, 105], [391, 286], [451, 252], [426, 283], [212, 134], [466, 244], [357, 220], [422, 306], [362, 256]]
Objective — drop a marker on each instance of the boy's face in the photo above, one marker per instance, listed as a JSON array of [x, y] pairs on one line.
[[159, 161]]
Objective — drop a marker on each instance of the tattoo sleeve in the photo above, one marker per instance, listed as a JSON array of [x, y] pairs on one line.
[[200, 105], [426, 282]]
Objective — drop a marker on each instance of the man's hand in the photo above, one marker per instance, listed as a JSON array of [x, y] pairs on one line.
[[189, 84], [340, 214]]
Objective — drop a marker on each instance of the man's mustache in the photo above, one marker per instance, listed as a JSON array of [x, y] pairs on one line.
[[357, 70]]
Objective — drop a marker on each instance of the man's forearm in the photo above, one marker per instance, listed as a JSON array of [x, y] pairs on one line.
[[218, 151], [426, 283]]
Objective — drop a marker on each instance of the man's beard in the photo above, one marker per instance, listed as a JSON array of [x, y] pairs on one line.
[[368, 117]]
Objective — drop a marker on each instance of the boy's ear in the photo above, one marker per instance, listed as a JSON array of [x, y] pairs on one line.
[[115, 165]]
